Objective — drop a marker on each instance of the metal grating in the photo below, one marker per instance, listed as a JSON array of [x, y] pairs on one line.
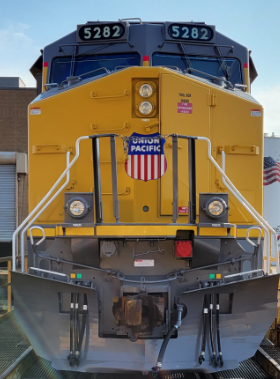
[[272, 351], [11, 338], [248, 369], [43, 369]]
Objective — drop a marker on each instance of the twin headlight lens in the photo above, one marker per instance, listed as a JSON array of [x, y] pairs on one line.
[[146, 90], [77, 208], [146, 107], [215, 207]]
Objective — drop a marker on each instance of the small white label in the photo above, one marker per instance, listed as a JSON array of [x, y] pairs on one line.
[[35, 111], [217, 306], [145, 119], [211, 306], [78, 225], [144, 263], [205, 310], [85, 307], [256, 112]]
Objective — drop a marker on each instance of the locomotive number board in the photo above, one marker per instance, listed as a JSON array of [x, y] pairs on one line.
[[189, 32], [95, 32]]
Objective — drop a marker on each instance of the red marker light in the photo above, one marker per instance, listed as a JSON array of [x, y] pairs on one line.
[[245, 65], [146, 58], [45, 64], [183, 249]]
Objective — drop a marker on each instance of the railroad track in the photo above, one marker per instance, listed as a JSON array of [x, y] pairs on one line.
[[18, 361]]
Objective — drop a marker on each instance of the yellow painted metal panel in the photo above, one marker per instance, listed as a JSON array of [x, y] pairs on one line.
[[233, 231], [232, 124], [79, 231], [247, 78], [141, 230], [241, 233], [49, 232], [176, 90], [63, 120], [58, 231], [213, 232], [44, 77]]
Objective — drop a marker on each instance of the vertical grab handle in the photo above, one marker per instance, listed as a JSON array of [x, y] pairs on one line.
[[192, 182], [175, 176], [97, 180], [114, 179]]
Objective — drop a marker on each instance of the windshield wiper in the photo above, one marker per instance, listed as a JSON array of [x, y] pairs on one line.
[[185, 56], [75, 79], [218, 78], [223, 62]]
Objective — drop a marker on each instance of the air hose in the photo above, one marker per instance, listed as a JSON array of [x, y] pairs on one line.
[[158, 365], [82, 331], [202, 354], [214, 355], [76, 322], [220, 357], [71, 357]]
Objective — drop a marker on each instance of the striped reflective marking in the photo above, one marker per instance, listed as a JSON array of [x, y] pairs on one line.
[[146, 167]]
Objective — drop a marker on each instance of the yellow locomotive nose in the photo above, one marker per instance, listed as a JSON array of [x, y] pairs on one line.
[[146, 215]]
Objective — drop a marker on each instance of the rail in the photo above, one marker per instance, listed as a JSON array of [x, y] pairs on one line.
[[270, 234]]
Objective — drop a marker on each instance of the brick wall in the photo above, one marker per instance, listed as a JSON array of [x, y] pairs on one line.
[[13, 118]]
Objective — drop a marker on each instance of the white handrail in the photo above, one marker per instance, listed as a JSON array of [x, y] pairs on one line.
[[252, 212], [31, 235], [248, 235], [42, 210], [245, 203], [44, 199]]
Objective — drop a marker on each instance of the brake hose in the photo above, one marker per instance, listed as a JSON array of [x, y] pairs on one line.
[[158, 365], [214, 355], [220, 357], [82, 331], [70, 357], [202, 354], [76, 325]]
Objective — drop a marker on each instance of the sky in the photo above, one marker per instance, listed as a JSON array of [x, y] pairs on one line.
[[26, 26]]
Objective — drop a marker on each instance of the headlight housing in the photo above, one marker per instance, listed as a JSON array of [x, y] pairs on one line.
[[146, 90], [215, 207], [146, 107], [77, 207]]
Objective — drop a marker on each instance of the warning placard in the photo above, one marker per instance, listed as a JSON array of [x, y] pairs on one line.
[[183, 210], [35, 111], [256, 112], [144, 263], [184, 108]]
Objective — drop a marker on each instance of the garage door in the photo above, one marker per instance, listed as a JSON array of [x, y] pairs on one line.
[[7, 202]]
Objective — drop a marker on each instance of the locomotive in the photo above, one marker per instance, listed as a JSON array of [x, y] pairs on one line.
[[146, 245]]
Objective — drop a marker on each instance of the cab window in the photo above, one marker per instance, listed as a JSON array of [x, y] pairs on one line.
[[211, 65], [63, 67]]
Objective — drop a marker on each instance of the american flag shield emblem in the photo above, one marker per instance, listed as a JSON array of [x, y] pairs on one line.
[[271, 171], [146, 159]]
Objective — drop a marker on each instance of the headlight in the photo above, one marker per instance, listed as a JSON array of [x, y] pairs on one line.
[[77, 208], [145, 107], [146, 90], [215, 207]]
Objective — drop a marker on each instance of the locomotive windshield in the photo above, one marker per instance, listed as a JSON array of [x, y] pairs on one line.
[[214, 66], [63, 67]]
